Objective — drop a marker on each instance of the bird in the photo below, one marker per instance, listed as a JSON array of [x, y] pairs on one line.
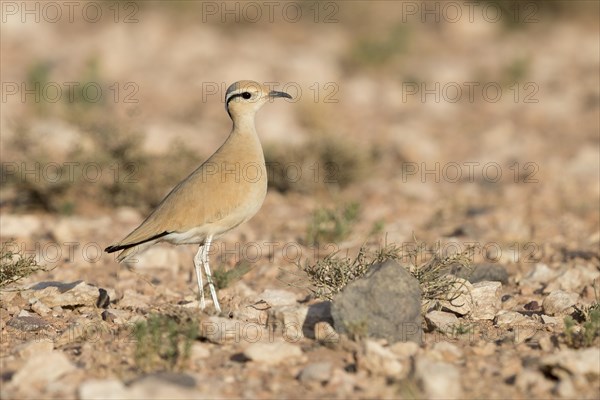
[[222, 193]]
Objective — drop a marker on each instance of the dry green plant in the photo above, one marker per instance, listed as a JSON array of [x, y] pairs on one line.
[[329, 162], [163, 341], [331, 274], [223, 277], [14, 266], [332, 225], [583, 330]]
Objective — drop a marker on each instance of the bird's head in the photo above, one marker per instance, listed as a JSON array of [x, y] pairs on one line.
[[245, 98]]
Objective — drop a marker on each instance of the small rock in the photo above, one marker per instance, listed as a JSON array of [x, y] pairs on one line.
[[33, 347], [166, 386], [444, 322], [576, 362], [439, 380], [72, 294], [462, 301], [482, 272], [40, 308], [316, 372], [446, 351], [529, 381], [220, 330], [43, 369], [296, 321], [559, 302], [277, 297], [538, 275], [379, 360], [385, 303], [20, 226], [100, 389], [510, 318], [28, 323], [486, 300], [324, 333], [199, 352], [272, 353], [134, 300], [116, 316], [548, 320], [405, 350]]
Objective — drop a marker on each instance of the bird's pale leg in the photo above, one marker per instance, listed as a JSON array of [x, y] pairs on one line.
[[198, 260], [211, 286]]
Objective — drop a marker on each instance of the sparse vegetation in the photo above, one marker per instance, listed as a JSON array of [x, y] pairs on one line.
[[163, 341], [582, 329], [327, 162], [223, 277], [14, 266], [331, 274], [332, 225]]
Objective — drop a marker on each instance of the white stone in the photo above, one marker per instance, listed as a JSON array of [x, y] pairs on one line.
[[577, 362], [272, 353], [316, 372], [380, 360], [439, 380], [33, 348], [461, 300], [442, 321], [61, 294], [559, 302], [42, 369], [486, 300], [277, 297], [100, 389], [20, 226]]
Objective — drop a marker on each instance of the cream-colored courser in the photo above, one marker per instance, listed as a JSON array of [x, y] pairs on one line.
[[224, 192]]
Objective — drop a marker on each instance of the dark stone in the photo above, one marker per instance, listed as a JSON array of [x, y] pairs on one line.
[[481, 272], [103, 299], [385, 303], [28, 324]]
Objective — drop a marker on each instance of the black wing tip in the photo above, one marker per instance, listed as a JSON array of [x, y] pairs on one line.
[[112, 249]]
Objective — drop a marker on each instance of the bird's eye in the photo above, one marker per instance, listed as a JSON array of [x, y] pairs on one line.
[[246, 95]]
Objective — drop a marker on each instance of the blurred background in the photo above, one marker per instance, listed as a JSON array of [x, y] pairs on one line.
[[412, 117]]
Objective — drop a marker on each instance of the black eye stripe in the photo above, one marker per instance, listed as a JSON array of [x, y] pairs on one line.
[[244, 95]]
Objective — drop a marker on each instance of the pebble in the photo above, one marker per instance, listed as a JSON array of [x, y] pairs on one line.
[[446, 351], [43, 369], [316, 372], [438, 379], [385, 303], [28, 323], [379, 360], [61, 294], [33, 347], [461, 302], [559, 302], [272, 353], [277, 297], [443, 321], [576, 362], [486, 300]]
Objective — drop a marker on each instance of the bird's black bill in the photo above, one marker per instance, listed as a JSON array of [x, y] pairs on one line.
[[274, 93]]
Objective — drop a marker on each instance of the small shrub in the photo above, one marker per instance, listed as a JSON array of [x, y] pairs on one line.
[[14, 266], [332, 225], [331, 274], [163, 342], [223, 277]]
